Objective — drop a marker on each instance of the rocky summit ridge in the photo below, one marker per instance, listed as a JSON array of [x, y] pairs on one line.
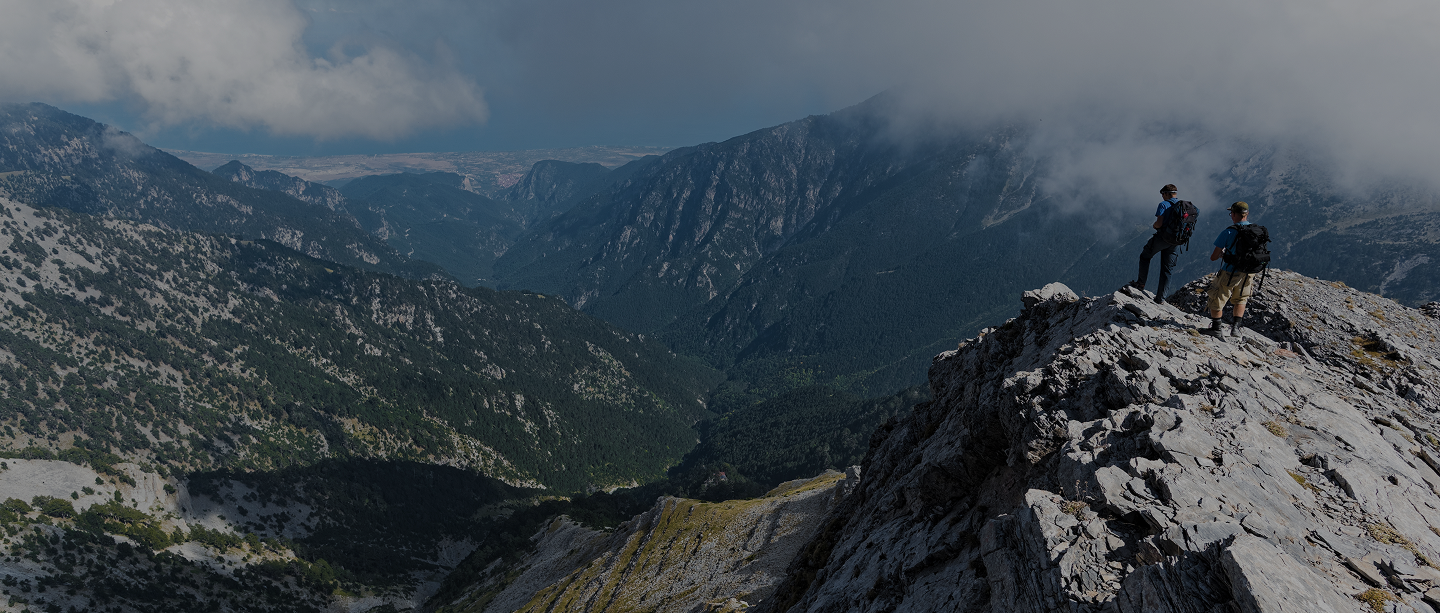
[[1102, 454]]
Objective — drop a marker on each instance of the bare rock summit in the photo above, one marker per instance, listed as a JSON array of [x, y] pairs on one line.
[[1101, 455]]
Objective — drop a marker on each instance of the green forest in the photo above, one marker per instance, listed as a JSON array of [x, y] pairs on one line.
[[189, 352]]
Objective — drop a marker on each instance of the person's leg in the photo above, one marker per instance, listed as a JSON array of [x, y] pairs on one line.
[[1242, 292], [1146, 254], [1218, 294], [1168, 256]]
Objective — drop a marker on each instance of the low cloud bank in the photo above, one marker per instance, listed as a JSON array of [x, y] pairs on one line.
[[228, 64], [1127, 91]]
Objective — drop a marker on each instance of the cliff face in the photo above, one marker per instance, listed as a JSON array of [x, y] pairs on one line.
[[1103, 455], [682, 555]]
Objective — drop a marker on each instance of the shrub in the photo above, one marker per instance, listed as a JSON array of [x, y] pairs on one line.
[[17, 505], [58, 507]]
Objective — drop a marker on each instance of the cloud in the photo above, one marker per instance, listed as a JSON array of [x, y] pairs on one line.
[[214, 63], [1349, 82], [1113, 85]]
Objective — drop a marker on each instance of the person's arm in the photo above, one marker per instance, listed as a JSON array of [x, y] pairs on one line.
[[1159, 222], [1218, 253]]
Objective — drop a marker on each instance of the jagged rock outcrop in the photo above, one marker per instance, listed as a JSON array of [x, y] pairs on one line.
[[295, 187], [682, 555], [1102, 454]]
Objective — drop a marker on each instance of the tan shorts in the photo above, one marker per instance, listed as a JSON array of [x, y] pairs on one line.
[[1234, 287]]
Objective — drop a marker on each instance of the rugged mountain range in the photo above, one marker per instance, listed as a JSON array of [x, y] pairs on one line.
[[191, 352], [187, 417], [551, 187], [488, 173], [55, 159], [831, 245], [1097, 454], [431, 217], [299, 189], [439, 217]]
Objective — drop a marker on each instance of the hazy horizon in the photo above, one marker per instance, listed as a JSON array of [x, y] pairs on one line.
[[1122, 92]]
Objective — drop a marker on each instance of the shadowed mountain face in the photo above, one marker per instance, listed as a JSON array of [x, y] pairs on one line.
[[431, 217], [439, 217], [552, 187], [52, 158], [830, 247]]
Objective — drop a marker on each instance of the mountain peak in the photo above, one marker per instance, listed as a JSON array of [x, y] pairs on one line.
[[235, 171], [1102, 454]]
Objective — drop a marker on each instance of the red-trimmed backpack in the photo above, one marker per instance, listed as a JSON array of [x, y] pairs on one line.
[[1178, 223]]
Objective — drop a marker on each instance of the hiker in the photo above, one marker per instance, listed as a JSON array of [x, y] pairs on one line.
[[1242, 246], [1174, 223]]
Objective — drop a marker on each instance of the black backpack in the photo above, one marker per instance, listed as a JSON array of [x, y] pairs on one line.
[[1249, 254], [1179, 222]]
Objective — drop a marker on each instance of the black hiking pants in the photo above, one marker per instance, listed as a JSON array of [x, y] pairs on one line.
[[1168, 256]]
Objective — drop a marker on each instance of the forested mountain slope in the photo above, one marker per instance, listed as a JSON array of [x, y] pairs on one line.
[[51, 158], [184, 352], [438, 217], [431, 217], [833, 247]]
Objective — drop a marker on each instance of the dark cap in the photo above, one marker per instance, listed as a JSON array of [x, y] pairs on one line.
[[1169, 189], [1239, 207]]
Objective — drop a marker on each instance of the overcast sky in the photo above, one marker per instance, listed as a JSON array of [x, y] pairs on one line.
[[361, 76]]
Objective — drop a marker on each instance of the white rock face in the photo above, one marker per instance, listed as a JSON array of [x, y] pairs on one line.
[[1103, 455]]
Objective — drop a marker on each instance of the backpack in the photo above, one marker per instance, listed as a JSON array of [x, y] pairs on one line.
[[1179, 222], [1249, 253]]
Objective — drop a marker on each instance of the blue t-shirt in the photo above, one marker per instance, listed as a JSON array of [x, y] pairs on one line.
[[1165, 204], [1226, 241]]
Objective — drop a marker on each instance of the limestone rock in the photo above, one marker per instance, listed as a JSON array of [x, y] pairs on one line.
[[1101, 454]]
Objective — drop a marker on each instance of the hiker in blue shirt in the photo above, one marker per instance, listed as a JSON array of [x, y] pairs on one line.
[[1229, 285], [1166, 249]]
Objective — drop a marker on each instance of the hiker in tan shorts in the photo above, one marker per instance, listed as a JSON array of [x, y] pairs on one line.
[[1236, 280]]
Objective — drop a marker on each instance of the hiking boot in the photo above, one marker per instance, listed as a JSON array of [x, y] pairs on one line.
[[1235, 327], [1160, 300], [1216, 329], [1136, 284]]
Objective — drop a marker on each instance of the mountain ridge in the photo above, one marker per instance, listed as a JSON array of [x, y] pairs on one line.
[[249, 355], [1101, 455], [844, 246], [53, 158]]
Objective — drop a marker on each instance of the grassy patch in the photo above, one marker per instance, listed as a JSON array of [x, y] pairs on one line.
[[1372, 353], [1376, 598], [1388, 535], [1305, 483], [1275, 428], [825, 480]]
